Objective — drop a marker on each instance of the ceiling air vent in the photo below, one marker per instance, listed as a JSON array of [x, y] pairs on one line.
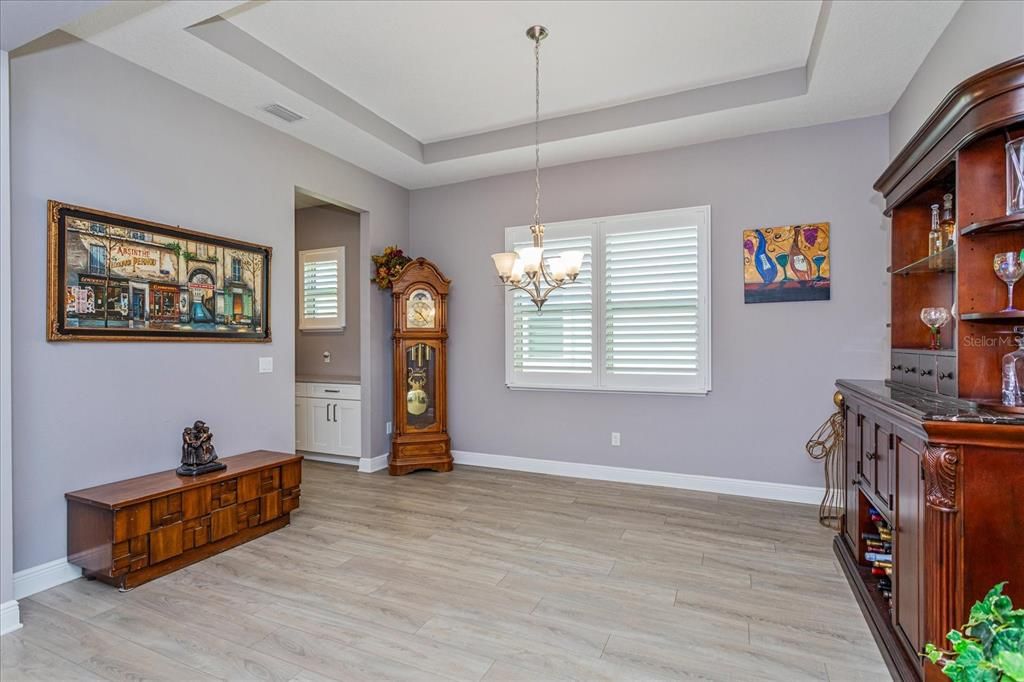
[[283, 113]]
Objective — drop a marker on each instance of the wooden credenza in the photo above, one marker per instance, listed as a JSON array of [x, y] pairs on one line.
[[129, 532], [948, 479]]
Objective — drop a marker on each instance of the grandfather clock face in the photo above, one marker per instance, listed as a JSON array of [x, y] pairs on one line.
[[420, 310]]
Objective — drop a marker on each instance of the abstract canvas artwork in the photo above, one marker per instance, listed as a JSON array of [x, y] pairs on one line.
[[788, 263], [115, 278]]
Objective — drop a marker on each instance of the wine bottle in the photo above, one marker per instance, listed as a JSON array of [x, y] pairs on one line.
[[799, 263], [935, 238], [948, 222]]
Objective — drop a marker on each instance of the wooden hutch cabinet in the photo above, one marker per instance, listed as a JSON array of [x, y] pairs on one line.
[[927, 461]]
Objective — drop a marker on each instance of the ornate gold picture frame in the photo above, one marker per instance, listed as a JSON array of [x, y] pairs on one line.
[[115, 278]]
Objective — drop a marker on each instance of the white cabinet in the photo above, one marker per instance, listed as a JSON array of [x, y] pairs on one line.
[[301, 424], [329, 425]]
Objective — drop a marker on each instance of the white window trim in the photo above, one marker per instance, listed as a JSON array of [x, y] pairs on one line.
[[330, 324], [596, 381]]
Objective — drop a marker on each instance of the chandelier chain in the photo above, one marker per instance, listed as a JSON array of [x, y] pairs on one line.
[[536, 130]]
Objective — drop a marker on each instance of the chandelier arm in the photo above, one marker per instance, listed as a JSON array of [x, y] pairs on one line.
[[548, 291], [544, 272]]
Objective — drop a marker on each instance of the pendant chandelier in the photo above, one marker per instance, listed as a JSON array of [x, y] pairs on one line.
[[527, 270]]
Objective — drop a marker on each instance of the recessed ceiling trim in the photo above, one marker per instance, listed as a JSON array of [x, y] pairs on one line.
[[739, 93], [225, 36]]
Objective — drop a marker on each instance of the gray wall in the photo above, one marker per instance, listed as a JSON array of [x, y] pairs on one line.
[[981, 34], [6, 497], [90, 128], [773, 364], [325, 227]]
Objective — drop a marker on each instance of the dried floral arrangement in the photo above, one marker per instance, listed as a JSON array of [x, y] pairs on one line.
[[387, 265]]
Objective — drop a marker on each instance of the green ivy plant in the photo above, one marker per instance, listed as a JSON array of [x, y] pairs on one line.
[[991, 646]]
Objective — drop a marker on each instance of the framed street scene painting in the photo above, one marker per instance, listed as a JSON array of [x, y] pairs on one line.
[[114, 278]]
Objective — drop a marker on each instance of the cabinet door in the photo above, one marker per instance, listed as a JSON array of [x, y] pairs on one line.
[[868, 428], [907, 580], [348, 423], [301, 424], [884, 465], [322, 433], [926, 375], [909, 362], [946, 375], [896, 367], [851, 457]]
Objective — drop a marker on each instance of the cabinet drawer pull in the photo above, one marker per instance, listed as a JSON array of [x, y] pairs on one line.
[[871, 455], [926, 372], [945, 375], [332, 390], [909, 370], [897, 368]]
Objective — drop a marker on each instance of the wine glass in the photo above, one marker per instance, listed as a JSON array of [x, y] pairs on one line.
[[934, 319], [1009, 267]]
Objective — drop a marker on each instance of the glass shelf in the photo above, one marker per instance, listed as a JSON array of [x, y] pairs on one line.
[[1004, 223], [943, 261], [1001, 316]]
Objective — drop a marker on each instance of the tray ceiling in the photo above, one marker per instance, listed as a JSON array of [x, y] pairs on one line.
[[428, 93]]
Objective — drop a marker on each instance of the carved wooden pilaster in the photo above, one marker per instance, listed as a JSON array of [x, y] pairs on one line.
[[940, 477], [941, 464]]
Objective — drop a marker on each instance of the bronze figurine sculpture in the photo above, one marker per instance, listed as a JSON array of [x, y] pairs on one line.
[[198, 455]]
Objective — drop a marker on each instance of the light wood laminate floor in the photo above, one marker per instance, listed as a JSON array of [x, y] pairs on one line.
[[477, 574]]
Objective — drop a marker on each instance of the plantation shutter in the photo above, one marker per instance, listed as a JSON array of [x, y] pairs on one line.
[[555, 346], [323, 298], [652, 304], [638, 318]]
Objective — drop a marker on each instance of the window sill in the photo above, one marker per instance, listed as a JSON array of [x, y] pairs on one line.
[[694, 393]]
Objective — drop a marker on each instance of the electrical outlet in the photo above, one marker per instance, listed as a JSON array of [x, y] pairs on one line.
[[616, 439], [387, 428], [266, 365]]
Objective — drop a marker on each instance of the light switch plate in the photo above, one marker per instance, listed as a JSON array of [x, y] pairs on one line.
[[266, 365]]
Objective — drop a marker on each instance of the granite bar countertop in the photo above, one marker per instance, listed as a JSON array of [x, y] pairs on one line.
[[325, 379], [930, 406]]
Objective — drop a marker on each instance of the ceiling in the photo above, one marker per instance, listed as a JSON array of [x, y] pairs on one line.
[[429, 93]]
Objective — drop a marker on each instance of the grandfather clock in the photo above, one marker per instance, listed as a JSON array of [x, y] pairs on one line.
[[421, 439]]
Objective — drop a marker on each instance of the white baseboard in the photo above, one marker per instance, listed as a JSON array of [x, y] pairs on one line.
[[332, 459], [726, 486], [44, 576], [10, 617], [367, 465]]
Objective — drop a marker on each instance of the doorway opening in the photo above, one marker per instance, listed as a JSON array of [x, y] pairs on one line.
[[328, 395]]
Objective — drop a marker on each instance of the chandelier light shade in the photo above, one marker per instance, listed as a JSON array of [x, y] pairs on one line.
[[526, 270]]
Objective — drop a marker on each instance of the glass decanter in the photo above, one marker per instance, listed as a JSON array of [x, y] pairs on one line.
[[1013, 374]]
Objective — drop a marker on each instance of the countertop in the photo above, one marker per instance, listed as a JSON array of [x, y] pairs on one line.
[[930, 406], [324, 379]]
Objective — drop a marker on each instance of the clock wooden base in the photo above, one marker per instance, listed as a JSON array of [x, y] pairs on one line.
[[412, 454]]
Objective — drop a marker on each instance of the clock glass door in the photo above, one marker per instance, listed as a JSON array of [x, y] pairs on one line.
[[421, 385]]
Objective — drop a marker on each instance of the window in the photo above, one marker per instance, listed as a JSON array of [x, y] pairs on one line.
[[322, 273], [236, 269], [97, 259], [637, 319]]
